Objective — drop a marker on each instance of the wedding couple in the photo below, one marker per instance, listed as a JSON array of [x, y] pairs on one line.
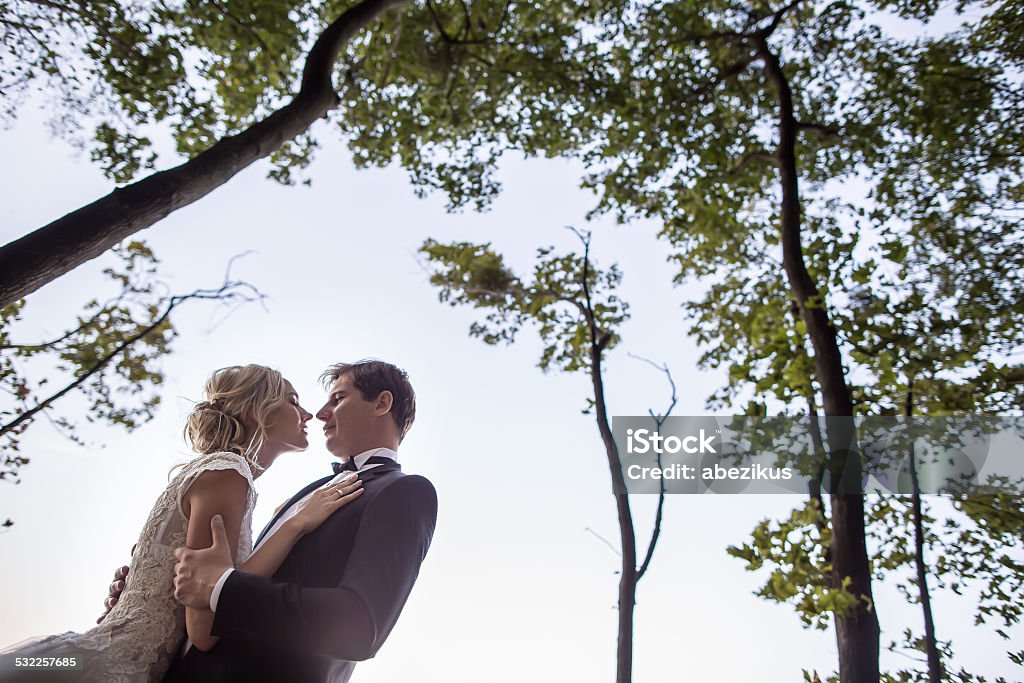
[[327, 578]]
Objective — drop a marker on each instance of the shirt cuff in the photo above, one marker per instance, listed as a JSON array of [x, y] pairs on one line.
[[215, 596]]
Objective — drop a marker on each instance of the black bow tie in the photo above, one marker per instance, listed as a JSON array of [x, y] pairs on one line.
[[347, 466], [350, 464]]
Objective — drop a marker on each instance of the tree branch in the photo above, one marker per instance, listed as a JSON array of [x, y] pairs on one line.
[[754, 156], [603, 540], [55, 249], [43, 345], [226, 291], [777, 19], [437, 23], [659, 420], [52, 5], [463, 38], [698, 38], [252, 32], [828, 131]]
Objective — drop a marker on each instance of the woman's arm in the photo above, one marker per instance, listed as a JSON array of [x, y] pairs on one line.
[[214, 492], [311, 514]]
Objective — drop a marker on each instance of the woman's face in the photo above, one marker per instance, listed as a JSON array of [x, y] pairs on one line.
[[286, 425]]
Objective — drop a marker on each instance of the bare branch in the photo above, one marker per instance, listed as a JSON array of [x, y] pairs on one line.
[[659, 420], [603, 540]]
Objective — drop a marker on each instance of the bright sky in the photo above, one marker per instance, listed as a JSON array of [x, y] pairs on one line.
[[518, 585]]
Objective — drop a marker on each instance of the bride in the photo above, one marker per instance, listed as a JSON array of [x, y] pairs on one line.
[[251, 415]]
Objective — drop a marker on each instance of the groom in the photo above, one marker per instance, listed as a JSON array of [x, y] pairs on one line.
[[339, 592]]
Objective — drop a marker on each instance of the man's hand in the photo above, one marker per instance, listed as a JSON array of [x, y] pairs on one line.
[[114, 592], [198, 571], [115, 589]]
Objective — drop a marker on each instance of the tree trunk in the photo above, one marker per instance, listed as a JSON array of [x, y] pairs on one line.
[[857, 632], [627, 537], [930, 642], [30, 262]]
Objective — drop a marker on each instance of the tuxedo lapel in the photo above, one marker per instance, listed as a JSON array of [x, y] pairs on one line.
[[291, 501]]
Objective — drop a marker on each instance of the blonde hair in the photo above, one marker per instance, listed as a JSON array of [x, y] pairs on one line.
[[233, 418]]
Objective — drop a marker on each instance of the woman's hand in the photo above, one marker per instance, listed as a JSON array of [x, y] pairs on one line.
[[324, 501], [310, 514]]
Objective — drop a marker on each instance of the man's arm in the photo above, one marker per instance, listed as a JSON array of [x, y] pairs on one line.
[[351, 620]]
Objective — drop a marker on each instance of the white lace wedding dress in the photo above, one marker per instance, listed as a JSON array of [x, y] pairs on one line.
[[138, 638]]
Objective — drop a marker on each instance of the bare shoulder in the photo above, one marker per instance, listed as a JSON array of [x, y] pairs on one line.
[[220, 480], [224, 485]]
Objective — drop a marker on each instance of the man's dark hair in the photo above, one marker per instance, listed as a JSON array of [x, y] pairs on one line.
[[371, 377]]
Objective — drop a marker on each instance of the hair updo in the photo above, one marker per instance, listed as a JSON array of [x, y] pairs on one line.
[[233, 418]]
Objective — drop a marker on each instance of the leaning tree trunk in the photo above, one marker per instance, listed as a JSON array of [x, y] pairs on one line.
[[30, 262], [857, 632]]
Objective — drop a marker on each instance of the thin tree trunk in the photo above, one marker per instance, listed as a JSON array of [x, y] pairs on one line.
[[627, 537], [857, 632], [30, 262], [931, 645], [629, 577]]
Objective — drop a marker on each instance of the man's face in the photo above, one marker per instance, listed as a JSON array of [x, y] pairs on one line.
[[348, 418]]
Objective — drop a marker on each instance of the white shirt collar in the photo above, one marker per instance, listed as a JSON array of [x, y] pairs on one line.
[[361, 459]]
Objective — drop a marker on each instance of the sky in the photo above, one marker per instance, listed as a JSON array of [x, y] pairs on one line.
[[520, 582]]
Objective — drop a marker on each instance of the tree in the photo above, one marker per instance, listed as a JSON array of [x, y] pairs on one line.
[[110, 357], [574, 307], [911, 325], [916, 349]]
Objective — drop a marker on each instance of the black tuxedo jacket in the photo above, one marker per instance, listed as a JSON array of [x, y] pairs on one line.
[[336, 596]]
